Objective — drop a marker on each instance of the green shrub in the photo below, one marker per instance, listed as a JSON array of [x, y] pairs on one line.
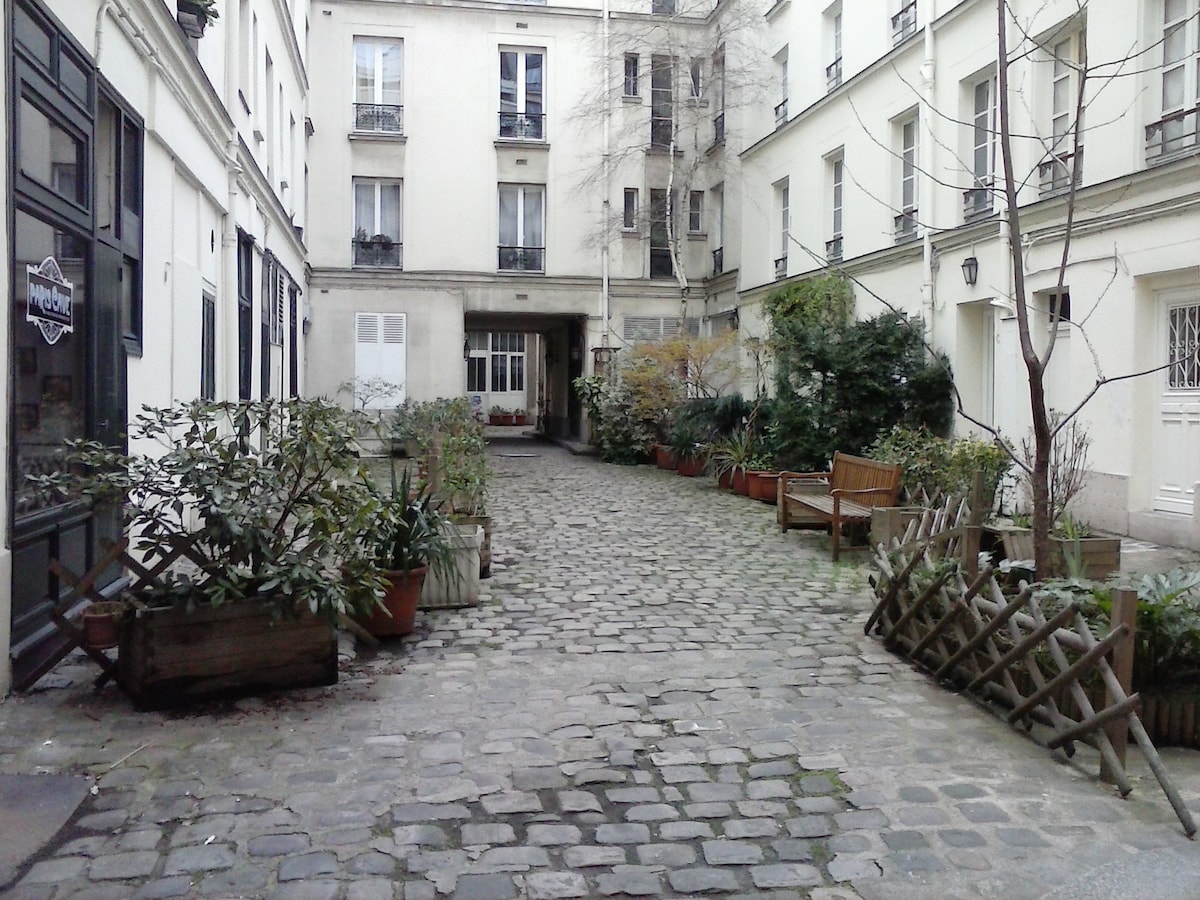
[[618, 432], [940, 467]]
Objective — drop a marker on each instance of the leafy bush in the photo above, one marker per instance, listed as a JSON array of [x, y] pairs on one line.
[[839, 386], [940, 467], [618, 432], [713, 417]]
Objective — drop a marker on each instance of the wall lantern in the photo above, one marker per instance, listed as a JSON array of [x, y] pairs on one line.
[[734, 320], [466, 348], [970, 267]]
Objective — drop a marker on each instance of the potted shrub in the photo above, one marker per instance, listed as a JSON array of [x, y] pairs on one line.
[[496, 415], [690, 449], [265, 501], [731, 458], [519, 417], [411, 538], [465, 472], [762, 480]]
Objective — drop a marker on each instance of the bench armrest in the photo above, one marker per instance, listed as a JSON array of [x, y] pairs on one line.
[[884, 493]]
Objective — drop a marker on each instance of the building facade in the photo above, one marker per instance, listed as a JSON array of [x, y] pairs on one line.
[[153, 238], [888, 165]]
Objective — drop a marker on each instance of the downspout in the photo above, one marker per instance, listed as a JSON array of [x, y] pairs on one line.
[[229, 264], [926, 203], [606, 209]]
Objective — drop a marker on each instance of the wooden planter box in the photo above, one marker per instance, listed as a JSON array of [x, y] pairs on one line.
[[1172, 719], [763, 486], [169, 657], [1099, 556], [463, 589]]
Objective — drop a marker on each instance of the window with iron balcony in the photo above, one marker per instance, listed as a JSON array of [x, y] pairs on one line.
[[1179, 128], [378, 85], [904, 23], [522, 88]]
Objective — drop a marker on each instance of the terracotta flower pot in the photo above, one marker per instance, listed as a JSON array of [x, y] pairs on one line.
[[690, 468], [741, 484], [762, 486], [102, 624], [400, 600], [494, 419], [664, 458]]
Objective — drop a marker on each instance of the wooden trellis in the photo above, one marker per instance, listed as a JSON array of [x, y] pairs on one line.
[[940, 608]]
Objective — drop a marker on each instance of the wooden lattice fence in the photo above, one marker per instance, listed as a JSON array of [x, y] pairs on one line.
[[940, 604]]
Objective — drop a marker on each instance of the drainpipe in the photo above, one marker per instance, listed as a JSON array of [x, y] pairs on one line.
[[926, 204], [606, 209], [229, 263]]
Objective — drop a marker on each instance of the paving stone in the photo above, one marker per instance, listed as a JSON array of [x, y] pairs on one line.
[[982, 813], [514, 859], [963, 791], [703, 881], [422, 835], [684, 831], [175, 886], [1021, 837], [488, 833], [625, 833], [731, 853], [277, 844], [768, 790], [793, 850], [632, 795], [669, 855], [578, 801], [916, 861], [785, 876], [776, 768], [585, 857], [515, 802], [129, 865], [751, 828], [484, 887], [552, 835], [428, 812], [957, 837], [553, 885], [709, 793], [917, 794], [372, 863], [861, 818], [853, 868], [905, 840], [307, 866], [809, 826], [629, 880], [651, 812], [708, 810], [370, 889], [53, 871], [307, 890], [683, 774]]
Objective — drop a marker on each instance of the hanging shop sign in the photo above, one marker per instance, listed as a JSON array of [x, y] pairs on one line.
[[48, 300]]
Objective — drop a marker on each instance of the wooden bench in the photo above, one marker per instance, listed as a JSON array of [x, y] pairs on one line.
[[850, 490]]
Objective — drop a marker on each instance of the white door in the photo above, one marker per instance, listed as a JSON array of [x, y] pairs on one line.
[[379, 353], [1177, 444]]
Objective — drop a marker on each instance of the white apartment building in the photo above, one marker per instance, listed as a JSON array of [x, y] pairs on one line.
[[495, 225], [885, 162], [152, 237]]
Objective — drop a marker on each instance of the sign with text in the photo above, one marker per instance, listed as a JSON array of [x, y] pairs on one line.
[[48, 300]]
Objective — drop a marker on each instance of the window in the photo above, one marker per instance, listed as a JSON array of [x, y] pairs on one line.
[[208, 347], [696, 79], [522, 86], [1057, 303], [1055, 172], [378, 82], [906, 221], [631, 74], [508, 362], [662, 101], [695, 212], [833, 246], [904, 23], [1183, 347], [118, 149], [978, 200], [833, 71], [781, 71], [1177, 130], [629, 218], [245, 260], [522, 228], [783, 204], [378, 238], [380, 351], [717, 226], [660, 235], [662, 7], [477, 361], [718, 92]]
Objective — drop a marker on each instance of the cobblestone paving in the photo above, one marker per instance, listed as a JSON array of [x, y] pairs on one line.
[[659, 696]]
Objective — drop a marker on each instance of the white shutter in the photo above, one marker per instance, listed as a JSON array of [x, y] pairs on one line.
[[380, 352]]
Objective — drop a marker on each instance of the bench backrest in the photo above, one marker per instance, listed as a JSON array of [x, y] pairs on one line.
[[856, 473]]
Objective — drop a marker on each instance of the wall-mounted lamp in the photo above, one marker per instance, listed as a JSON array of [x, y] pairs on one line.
[[734, 320], [466, 348], [970, 267]]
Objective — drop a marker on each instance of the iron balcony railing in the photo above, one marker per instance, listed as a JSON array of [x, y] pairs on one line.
[[833, 74], [781, 267], [386, 117], [904, 23], [781, 112], [1054, 172], [523, 126], [977, 201], [833, 249], [905, 226], [718, 261], [1172, 133], [522, 259], [378, 254]]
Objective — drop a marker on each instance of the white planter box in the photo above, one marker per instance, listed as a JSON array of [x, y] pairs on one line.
[[464, 590]]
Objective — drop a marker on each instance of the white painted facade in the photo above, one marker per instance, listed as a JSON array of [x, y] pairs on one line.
[[220, 124], [1135, 246]]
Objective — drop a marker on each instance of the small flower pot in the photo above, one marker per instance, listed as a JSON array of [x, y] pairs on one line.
[[664, 458], [102, 624], [690, 468], [400, 602]]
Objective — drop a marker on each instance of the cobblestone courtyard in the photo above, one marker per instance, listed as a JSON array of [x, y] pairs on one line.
[[659, 695]]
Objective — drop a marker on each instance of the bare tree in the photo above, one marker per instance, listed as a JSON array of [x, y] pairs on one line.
[[674, 84], [1060, 156]]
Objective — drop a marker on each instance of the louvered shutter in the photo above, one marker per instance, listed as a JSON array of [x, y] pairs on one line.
[[380, 344]]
